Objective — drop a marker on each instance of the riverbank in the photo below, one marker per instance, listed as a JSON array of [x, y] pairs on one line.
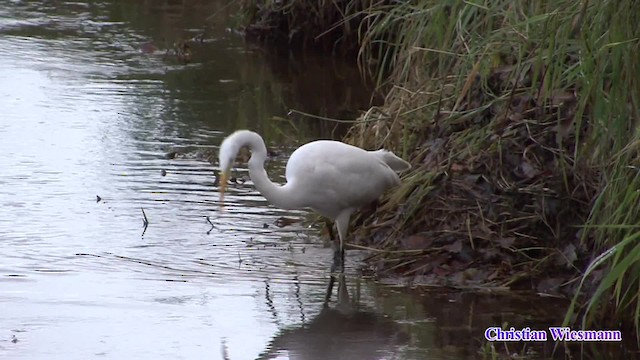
[[521, 122]]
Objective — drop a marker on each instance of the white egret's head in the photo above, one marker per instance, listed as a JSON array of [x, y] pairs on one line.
[[227, 155]]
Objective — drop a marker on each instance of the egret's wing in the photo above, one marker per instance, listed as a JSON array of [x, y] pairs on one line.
[[332, 176]]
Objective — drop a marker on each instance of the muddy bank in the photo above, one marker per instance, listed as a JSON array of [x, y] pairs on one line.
[[521, 123]]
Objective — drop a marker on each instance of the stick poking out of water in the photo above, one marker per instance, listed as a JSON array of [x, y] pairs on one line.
[[224, 349], [145, 221], [210, 223]]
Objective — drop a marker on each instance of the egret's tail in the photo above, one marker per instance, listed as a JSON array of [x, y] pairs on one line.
[[396, 163]]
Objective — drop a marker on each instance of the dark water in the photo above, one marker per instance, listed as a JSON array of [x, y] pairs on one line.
[[95, 101]]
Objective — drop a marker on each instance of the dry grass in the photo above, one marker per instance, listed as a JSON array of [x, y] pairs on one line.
[[522, 122], [522, 125]]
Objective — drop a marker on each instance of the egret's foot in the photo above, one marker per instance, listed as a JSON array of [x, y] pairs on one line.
[[327, 297]]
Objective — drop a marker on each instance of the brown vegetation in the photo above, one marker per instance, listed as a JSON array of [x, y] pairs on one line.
[[521, 120]]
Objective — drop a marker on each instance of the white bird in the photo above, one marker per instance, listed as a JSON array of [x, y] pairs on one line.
[[332, 178]]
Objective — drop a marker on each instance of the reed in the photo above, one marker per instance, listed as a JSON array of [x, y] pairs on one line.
[[521, 119], [528, 113]]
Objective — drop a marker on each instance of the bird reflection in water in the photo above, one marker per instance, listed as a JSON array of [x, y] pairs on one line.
[[344, 331]]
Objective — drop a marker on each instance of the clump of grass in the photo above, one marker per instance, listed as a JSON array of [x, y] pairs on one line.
[[522, 120]]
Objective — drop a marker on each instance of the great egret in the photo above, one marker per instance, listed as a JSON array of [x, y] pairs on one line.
[[330, 177]]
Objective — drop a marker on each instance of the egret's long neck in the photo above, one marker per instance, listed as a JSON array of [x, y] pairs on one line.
[[275, 194]]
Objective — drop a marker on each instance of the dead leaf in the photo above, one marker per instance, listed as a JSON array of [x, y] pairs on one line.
[[550, 285], [490, 254], [435, 148], [148, 48], [527, 170], [417, 242], [284, 221], [561, 97], [440, 271], [458, 278], [506, 242], [568, 256], [455, 248], [455, 167], [470, 273]]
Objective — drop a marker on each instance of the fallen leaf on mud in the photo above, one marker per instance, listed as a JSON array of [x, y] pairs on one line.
[[562, 98], [284, 221], [458, 278], [506, 242], [148, 48], [494, 275], [457, 167], [426, 279], [565, 127], [568, 256], [490, 254], [455, 248], [550, 286], [438, 260], [566, 103], [470, 273], [516, 116], [417, 242], [435, 147], [457, 265], [472, 178], [528, 170], [439, 271]]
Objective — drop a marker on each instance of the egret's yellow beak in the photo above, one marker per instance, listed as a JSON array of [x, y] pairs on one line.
[[224, 175]]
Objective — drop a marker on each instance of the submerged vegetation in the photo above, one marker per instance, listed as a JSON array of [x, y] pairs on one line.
[[522, 121]]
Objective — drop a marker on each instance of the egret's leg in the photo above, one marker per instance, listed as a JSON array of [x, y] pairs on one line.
[[342, 223], [335, 265]]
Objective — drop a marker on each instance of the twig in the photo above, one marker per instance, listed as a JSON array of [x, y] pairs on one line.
[[416, 251], [224, 349], [145, 221], [212, 226], [293, 111]]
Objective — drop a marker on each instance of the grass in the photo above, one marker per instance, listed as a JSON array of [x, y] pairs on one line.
[[556, 85], [522, 122]]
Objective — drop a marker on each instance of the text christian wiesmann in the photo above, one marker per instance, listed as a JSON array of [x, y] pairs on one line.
[[553, 333]]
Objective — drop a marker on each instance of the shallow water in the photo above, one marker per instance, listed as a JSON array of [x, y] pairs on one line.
[[99, 121]]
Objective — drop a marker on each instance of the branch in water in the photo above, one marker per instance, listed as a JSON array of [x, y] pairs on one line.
[[145, 221]]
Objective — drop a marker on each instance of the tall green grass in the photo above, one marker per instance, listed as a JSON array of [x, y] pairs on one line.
[[434, 52], [463, 64]]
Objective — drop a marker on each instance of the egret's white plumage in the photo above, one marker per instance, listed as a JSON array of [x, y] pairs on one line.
[[330, 177]]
